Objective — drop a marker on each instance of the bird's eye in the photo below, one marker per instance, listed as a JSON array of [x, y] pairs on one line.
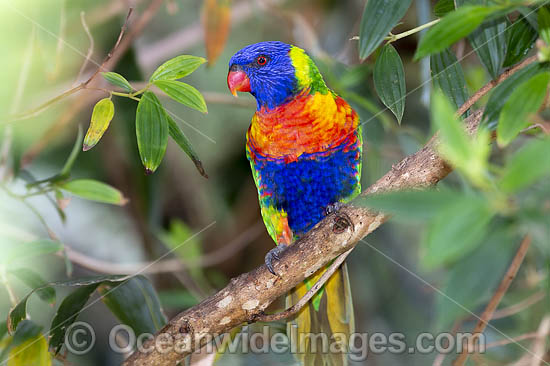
[[261, 60]]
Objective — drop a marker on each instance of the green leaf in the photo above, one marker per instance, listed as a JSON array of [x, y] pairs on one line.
[[451, 28], [489, 42], [379, 17], [29, 347], [526, 166], [177, 67], [21, 253], [34, 280], [103, 113], [463, 289], [179, 137], [469, 155], [151, 131], [412, 205], [67, 313], [72, 156], [443, 7], [502, 92], [456, 231], [135, 303], [19, 312], [526, 99], [118, 80], [544, 24], [183, 93], [530, 14], [389, 80], [71, 306], [448, 76], [521, 38], [93, 190]]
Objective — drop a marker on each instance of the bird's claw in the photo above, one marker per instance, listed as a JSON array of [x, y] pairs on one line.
[[273, 254], [333, 207]]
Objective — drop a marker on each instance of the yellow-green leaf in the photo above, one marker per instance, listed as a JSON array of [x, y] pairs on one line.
[[151, 131], [118, 80], [183, 93], [177, 67], [94, 190], [103, 113], [33, 351], [525, 100]]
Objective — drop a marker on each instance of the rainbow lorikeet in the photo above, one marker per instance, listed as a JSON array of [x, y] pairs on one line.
[[304, 146]]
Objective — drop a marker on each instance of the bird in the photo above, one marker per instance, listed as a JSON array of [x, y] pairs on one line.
[[304, 145]]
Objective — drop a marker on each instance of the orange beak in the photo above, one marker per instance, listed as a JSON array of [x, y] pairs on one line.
[[237, 81]]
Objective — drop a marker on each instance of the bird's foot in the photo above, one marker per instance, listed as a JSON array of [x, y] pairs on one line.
[[274, 254], [333, 207]]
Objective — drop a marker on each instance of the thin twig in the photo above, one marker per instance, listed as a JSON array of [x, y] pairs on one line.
[[540, 342], [495, 300], [516, 308], [395, 37], [491, 84], [90, 49], [513, 340], [111, 53], [40, 108], [309, 294], [168, 265]]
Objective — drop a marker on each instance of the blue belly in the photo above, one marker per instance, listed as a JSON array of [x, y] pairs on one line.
[[303, 189]]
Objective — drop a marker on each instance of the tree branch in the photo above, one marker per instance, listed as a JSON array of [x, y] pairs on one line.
[[246, 297], [309, 294]]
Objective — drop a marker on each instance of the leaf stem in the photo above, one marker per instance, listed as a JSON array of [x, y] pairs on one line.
[[40, 108], [395, 37], [131, 95], [141, 91], [127, 95]]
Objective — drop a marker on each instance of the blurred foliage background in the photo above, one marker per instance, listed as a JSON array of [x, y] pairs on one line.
[[218, 219]]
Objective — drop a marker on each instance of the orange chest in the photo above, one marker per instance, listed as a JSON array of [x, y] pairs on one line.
[[309, 124]]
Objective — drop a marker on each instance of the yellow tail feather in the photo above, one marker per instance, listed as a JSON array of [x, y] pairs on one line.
[[314, 333]]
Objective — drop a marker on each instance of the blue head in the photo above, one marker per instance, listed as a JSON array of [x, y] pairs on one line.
[[265, 70]]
